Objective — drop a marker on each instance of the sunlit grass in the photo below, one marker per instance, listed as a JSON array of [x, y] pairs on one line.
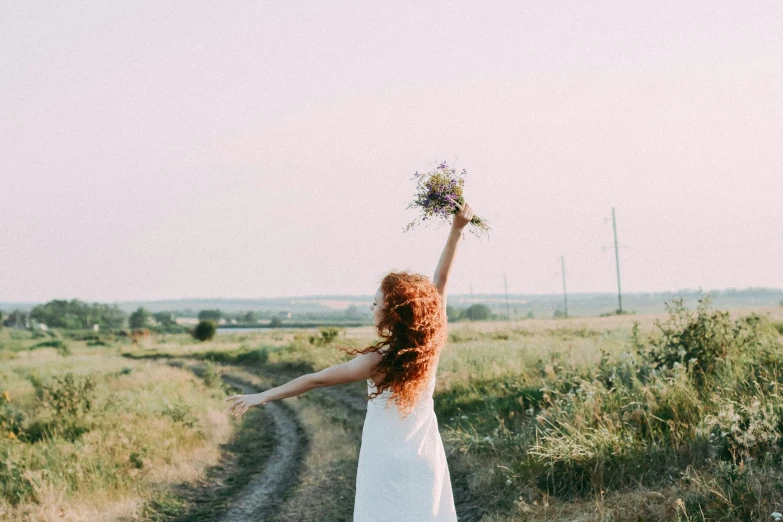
[[148, 426]]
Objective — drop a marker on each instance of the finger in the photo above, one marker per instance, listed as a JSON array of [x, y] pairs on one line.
[[233, 398], [459, 205]]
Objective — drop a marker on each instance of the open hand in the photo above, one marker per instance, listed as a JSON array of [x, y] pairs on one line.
[[241, 403], [463, 217]]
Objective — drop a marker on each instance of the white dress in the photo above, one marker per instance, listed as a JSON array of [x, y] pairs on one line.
[[402, 474]]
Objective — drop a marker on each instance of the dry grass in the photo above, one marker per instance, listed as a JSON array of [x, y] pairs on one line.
[[91, 477], [134, 392]]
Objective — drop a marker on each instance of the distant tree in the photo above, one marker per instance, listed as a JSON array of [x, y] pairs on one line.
[[453, 314], [139, 318], [17, 319], [558, 313], [205, 330], [110, 316], [531, 314], [275, 322], [250, 317], [1, 318], [164, 318], [210, 315], [352, 312], [478, 312], [77, 314]]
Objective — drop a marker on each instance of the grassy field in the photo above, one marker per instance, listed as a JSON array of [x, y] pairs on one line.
[[676, 416], [92, 435]]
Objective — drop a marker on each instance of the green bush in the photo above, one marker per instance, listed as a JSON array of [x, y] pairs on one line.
[[275, 322], [212, 375], [180, 413], [15, 484], [69, 396], [61, 347], [477, 312], [205, 330], [701, 341], [140, 318], [327, 336], [259, 357], [11, 420]]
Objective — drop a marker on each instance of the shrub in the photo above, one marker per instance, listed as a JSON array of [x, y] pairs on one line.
[[260, 357], [180, 413], [15, 484], [700, 341], [454, 314], [275, 322], [327, 336], [205, 331], [139, 318], [10, 419], [70, 397], [59, 345], [211, 374], [477, 312]]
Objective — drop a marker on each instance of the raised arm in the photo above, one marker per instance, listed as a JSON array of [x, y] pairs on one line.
[[357, 369], [441, 277]]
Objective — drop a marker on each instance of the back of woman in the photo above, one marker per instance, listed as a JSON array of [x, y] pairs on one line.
[[403, 474]]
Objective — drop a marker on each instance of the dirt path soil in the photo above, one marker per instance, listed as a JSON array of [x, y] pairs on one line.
[[267, 489], [265, 492]]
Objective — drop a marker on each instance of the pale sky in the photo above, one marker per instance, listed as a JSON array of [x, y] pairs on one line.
[[156, 150]]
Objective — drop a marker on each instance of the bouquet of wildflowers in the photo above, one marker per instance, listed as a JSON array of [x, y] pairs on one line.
[[437, 194]]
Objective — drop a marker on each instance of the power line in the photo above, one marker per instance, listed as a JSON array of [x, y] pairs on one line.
[[617, 262]]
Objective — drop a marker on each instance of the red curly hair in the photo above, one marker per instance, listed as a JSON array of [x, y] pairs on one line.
[[413, 326]]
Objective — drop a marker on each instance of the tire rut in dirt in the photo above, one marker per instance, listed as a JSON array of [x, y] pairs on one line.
[[263, 496]]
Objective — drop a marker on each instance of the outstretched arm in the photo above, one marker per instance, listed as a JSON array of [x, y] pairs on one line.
[[357, 369], [441, 277]]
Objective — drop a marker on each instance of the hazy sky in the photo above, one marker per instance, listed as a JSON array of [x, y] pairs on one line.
[[153, 150]]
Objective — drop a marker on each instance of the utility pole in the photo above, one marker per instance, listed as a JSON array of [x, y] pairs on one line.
[[508, 309], [565, 293], [617, 262]]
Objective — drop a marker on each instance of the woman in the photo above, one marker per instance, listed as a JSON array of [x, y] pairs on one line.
[[402, 474]]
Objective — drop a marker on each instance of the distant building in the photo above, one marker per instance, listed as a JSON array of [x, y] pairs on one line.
[[96, 327]]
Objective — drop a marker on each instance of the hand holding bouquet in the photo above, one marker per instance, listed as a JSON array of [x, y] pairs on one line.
[[439, 196]]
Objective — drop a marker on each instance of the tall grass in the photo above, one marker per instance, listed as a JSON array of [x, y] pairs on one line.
[[688, 406], [92, 433]]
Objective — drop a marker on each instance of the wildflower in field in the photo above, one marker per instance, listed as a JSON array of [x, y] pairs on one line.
[[6, 397], [437, 194]]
